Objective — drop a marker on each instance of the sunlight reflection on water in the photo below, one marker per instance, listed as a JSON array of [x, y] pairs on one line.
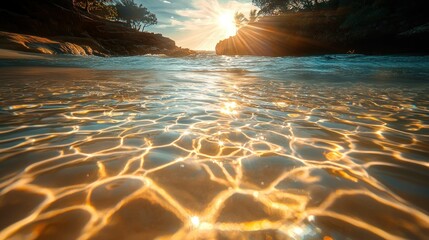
[[243, 147]]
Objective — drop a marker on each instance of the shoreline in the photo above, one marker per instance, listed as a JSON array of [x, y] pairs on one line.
[[13, 54], [7, 54], [83, 46]]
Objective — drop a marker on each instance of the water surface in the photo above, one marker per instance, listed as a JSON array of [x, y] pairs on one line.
[[211, 147]]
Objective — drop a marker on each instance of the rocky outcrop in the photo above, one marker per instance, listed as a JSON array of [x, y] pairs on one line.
[[29, 43], [326, 32], [56, 27]]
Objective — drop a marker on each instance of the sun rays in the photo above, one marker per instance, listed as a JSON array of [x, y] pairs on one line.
[[226, 22], [208, 23]]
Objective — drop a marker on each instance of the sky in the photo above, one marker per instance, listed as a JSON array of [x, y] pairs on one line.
[[196, 24]]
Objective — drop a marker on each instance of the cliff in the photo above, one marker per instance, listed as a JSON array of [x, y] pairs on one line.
[[55, 26], [329, 32]]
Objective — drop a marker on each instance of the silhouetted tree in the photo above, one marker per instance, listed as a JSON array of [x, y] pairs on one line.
[[147, 20], [253, 15], [136, 16], [239, 20], [282, 6]]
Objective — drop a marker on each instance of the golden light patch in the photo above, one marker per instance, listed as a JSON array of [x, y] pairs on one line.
[[333, 156]]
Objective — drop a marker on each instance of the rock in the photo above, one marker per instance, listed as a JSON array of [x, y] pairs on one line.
[[29, 43], [327, 32], [56, 27], [293, 34], [179, 52]]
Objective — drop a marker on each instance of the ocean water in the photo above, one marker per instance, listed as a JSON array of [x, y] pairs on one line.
[[214, 147]]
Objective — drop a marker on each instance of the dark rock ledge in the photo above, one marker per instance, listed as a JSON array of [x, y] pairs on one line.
[[326, 32], [56, 27]]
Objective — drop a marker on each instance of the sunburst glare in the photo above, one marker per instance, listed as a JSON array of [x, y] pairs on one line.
[[208, 23], [226, 22]]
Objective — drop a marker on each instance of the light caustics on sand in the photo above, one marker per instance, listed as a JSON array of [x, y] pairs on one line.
[[97, 157]]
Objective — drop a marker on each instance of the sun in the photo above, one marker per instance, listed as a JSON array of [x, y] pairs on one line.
[[226, 22], [208, 22]]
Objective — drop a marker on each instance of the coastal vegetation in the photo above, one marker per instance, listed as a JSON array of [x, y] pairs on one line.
[[135, 15], [102, 8], [253, 16], [240, 19], [276, 7], [360, 12]]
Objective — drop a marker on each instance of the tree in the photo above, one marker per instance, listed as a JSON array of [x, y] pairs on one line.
[[253, 16], [147, 20], [281, 6], [126, 10], [239, 19], [272, 6], [106, 11], [136, 16], [89, 5]]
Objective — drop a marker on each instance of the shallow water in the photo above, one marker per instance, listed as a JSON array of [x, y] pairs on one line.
[[209, 147]]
